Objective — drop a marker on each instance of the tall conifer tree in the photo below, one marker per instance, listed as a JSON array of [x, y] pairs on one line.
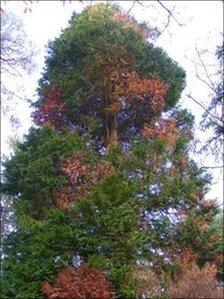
[[104, 193]]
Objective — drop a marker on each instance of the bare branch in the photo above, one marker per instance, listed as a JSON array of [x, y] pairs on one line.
[[170, 13], [16, 51], [212, 85], [204, 108], [132, 6], [212, 167]]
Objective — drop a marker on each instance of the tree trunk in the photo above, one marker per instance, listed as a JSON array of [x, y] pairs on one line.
[[111, 131], [111, 138]]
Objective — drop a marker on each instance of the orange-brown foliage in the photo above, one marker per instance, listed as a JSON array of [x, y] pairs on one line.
[[74, 167], [201, 224], [187, 257], [197, 283], [179, 165], [146, 282], [82, 178], [81, 282], [164, 130], [65, 197], [113, 108], [131, 23], [158, 90], [51, 109], [183, 161], [78, 172], [131, 85]]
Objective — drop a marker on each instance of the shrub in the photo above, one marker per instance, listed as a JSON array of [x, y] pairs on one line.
[[146, 282], [197, 283]]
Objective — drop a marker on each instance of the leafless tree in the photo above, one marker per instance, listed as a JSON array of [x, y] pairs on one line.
[[165, 12], [212, 77], [6, 215], [16, 59], [16, 51]]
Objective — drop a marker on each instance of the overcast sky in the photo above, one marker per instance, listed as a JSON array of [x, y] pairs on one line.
[[202, 26]]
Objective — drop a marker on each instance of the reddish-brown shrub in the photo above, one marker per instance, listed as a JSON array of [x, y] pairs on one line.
[[197, 283], [146, 282], [81, 282]]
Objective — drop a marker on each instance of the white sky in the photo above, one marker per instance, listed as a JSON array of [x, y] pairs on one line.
[[203, 23]]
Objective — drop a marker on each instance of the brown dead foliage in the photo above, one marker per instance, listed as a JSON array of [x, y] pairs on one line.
[[82, 178], [64, 198], [146, 282], [129, 85], [78, 172], [81, 282], [50, 111], [164, 130], [128, 21], [197, 283], [74, 168]]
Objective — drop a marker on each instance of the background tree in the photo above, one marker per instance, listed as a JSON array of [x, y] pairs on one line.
[[105, 183], [216, 105], [211, 76], [16, 64], [16, 59], [16, 50]]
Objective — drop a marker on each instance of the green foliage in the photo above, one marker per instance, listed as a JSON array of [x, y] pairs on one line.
[[105, 228], [32, 172], [157, 61], [35, 252], [98, 261]]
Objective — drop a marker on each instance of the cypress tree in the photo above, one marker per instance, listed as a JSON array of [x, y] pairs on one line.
[[104, 192]]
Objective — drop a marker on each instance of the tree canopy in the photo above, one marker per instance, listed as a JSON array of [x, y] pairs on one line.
[[106, 78]]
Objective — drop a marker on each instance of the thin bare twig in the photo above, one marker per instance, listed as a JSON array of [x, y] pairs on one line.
[[170, 13], [133, 5], [204, 108], [212, 85], [212, 167]]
